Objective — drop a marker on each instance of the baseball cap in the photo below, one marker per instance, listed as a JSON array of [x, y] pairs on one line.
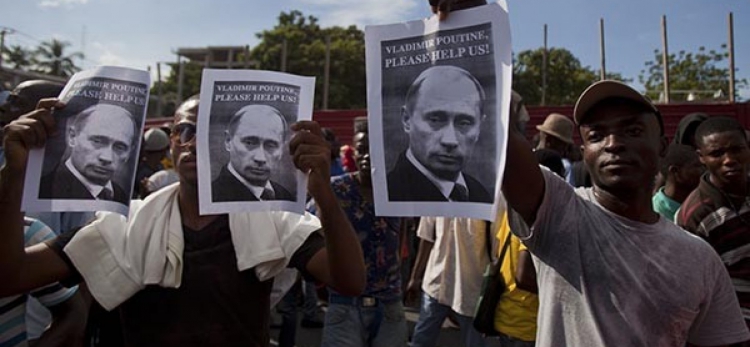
[[155, 139], [607, 89]]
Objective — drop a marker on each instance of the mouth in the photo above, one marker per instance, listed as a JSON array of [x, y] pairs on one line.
[[733, 173], [102, 170], [448, 159], [618, 163], [257, 171]]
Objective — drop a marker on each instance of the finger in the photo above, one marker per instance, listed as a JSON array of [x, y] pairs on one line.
[[308, 125], [306, 138], [48, 103], [310, 162]]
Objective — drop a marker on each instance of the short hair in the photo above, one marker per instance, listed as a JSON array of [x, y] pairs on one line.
[[551, 160], [239, 114], [360, 124], [677, 155], [413, 92], [82, 117], [715, 125]]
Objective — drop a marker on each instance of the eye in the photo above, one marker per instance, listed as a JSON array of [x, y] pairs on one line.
[[98, 141], [120, 147], [271, 146], [594, 136], [634, 131], [251, 141]]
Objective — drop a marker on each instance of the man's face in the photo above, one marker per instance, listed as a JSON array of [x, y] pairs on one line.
[[102, 144], [361, 142], [727, 157], [622, 148], [17, 103], [183, 152], [547, 141], [443, 125], [256, 146], [689, 174]]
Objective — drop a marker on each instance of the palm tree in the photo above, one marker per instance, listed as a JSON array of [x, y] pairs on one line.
[[51, 59], [17, 57]]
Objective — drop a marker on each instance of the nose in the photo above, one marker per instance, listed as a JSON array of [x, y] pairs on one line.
[[730, 159], [106, 154], [259, 156], [613, 143], [448, 136]]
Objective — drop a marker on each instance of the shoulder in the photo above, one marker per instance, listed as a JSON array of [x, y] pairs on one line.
[[696, 206], [477, 191], [35, 232], [281, 192]]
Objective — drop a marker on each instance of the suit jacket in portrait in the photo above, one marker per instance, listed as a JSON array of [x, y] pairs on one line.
[[226, 187], [407, 183], [62, 184]]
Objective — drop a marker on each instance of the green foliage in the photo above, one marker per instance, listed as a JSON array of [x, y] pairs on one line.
[[17, 57], [702, 72], [566, 77], [50, 58], [306, 46]]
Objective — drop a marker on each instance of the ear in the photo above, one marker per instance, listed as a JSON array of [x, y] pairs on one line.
[[663, 146], [405, 118], [71, 136], [227, 140], [700, 156]]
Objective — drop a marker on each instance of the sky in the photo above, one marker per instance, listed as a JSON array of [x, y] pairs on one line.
[[139, 33]]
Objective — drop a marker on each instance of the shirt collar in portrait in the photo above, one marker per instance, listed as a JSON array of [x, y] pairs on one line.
[[93, 188], [257, 191], [446, 187]]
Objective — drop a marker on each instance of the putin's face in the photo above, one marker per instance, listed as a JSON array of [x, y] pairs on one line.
[[101, 144], [256, 143], [443, 123]]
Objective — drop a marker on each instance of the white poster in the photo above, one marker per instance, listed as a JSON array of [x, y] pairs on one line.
[[438, 99], [243, 140], [90, 165]]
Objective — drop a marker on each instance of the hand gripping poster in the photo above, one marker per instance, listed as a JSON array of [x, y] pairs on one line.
[[243, 137], [90, 164], [438, 99]]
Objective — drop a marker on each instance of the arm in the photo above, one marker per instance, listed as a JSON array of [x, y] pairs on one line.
[[525, 273], [417, 273], [68, 323], [341, 264], [24, 269]]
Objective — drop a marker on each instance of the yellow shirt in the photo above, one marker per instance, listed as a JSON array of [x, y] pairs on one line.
[[516, 312]]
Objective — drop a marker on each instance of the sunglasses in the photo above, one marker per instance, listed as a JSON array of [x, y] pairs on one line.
[[184, 132]]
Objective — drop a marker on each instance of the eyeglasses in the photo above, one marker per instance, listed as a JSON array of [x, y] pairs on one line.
[[184, 132]]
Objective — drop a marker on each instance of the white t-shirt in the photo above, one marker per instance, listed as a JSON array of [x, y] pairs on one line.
[[453, 275], [161, 179], [605, 280]]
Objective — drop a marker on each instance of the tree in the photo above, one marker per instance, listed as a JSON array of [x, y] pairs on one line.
[[566, 77], [306, 46], [701, 74], [50, 58], [17, 57]]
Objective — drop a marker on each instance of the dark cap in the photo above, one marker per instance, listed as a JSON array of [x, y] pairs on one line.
[[611, 89]]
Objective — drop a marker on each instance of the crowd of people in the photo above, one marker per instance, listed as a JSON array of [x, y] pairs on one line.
[[627, 240]]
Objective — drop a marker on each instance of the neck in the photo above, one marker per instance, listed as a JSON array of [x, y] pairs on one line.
[[674, 192], [365, 186], [188, 199], [636, 206], [739, 188]]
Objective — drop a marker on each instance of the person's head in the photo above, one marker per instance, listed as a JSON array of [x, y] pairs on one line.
[[182, 144], [681, 167], [330, 136], [723, 149], [24, 97], [155, 146], [454, 5], [255, 141], [556, 133], [100, 139], [685, 133], [623, 139], [551, 160], [361, 142], [443, 111]]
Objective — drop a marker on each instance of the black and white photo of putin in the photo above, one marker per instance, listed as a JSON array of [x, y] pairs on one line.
[[442, 116], [100, 141], [255, 140]]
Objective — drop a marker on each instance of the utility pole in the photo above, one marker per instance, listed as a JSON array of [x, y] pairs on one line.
[[158, 90], [665, 58], [731, 57], [283, 56], [2, 44], [603, 71], [327, 72], [544, 68]]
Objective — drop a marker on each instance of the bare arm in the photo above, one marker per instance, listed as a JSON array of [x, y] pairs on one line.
[[24, 269], [68, 323], [341, 264], [525, 273], [417, 273]]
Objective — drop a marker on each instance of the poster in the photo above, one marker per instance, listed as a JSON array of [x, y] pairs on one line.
[[438, 98], [244, 121], [90, 165]]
